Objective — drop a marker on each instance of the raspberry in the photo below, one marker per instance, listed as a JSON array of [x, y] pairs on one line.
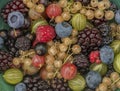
[[94, 57], [45, 33]]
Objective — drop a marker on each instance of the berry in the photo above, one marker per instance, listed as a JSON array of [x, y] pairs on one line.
[[66, 16], [81, 63], [99, 14], [63, 29], [104, 29], [107, 40], [94, 57], [50, 59], [40, 8], [68, 71], [114, 76], [76, 49], [22, 43], [49, 68], [67, 41], [45, 33], [15, 19], [89, 40], [5, 61], [103, 87], [59, 19], [57, 63], [63, 47], [93, 79], [107, 81], [36, 84], [117, 16], [3, 34], [41, 49], [59, 85], [109, 15], [38, 61], [90, 14], [20, 87], [52, 50], [106, 54], [14, 5], [1, 42], [94, 3]]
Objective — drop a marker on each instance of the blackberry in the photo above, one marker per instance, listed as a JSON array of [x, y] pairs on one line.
[[5, 61], [36, 84], [107, 40], [97, 22], [10, 45], [84, 2], [89, 40], [110, 70], [14, 5], [82, 63], [23, 43], [59, 85], [104, 29]]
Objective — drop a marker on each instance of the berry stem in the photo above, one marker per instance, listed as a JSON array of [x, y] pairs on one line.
[[63, 64], [115, 81], [69, 49], [26, 54], [67, 58]]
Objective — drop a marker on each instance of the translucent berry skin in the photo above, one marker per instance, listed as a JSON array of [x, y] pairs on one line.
[[117, 16], [106, 54], [20, 87], [63, 29], [68, 71], [53, 10], [38, 61], [15, 19], [93, 79]]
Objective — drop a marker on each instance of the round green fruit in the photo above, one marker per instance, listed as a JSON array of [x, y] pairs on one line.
[[101, 68], [77, 84], [115, 45], [37, 23], [116, 63], [13, 76], [79, 22]]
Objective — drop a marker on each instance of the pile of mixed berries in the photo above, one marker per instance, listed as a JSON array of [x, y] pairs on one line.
[[60, 45]]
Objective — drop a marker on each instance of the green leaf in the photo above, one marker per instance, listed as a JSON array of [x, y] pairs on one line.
[[5, 86], [117, 2], [3, 25]]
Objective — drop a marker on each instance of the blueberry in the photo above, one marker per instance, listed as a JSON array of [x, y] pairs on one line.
[[106, 54], [93, 79], [15, 19], [63, 29], [41, 49], [117, 16], [20, 87]]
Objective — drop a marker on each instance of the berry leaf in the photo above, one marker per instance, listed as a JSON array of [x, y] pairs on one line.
[[5, 86], [3, 25], [117, 2]]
